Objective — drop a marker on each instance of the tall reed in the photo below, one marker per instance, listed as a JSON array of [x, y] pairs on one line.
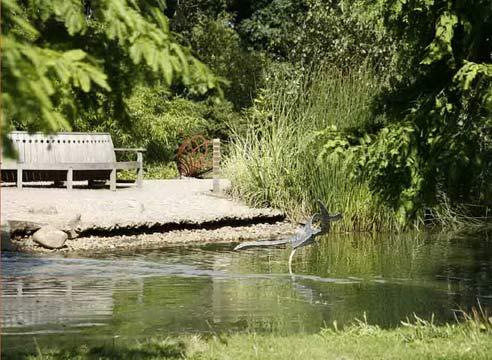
[[274, 162]]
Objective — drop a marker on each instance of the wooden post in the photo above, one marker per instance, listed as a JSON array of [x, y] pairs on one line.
[[216, 165], [140, 169], [112, 180], [19, 176], [70, 179]]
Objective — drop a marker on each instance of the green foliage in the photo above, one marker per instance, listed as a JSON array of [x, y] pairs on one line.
[[278, 160], [218, 45], [31, 75], [163, 124], [344, 34], [371, 158], [440, 47], [123, 66], [414, 339], [433, 136], [160, 171], [209, 28], [274, 26], [340, 33], [53, 48], [141, 30], [150, 349], [164, 121]]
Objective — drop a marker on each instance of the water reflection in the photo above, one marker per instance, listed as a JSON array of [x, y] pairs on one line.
[[214, 289]]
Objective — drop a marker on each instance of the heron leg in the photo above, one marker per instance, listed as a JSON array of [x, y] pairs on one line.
[[290, 260]]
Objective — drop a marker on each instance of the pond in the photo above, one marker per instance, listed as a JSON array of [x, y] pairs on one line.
[[66, 300]]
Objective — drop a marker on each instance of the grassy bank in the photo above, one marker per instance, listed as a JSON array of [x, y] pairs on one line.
[[276, 160], [419, 340]]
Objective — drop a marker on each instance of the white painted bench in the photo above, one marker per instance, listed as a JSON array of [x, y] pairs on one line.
[[66, 156]]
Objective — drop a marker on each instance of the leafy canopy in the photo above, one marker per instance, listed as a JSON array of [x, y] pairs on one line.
[[55, 51], [437, 134]]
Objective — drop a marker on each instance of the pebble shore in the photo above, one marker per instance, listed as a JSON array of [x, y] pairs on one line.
[[162, 213], [226, 234]]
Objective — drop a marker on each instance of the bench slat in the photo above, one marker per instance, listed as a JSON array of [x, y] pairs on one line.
[[47, 157], [63, 147], [124, 165], [130, 149]]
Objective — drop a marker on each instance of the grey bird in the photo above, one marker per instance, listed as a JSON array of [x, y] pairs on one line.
[[305, 236]]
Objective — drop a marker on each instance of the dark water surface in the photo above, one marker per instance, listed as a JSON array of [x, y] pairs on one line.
[[64, 301]]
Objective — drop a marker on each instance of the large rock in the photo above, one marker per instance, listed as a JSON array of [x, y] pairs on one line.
[[50, 237]]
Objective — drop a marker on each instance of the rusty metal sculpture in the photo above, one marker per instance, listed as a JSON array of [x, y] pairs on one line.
[[194, 156]]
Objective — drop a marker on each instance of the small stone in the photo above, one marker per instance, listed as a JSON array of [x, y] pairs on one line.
[[50, 237]]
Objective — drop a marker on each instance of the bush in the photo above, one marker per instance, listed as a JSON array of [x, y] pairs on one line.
[[160, 122]]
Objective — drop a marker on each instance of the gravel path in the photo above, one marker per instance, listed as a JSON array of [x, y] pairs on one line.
[[172, 204], [159, 202]]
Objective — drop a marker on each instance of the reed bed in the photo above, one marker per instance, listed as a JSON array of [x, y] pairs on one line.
[[275, 160]]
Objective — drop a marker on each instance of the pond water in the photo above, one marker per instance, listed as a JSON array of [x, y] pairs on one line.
[[73, 300]]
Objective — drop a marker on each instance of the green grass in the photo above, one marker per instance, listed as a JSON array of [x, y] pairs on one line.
[[416, 340], [275, 161]]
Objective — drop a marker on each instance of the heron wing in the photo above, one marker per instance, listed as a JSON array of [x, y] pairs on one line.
[[325, 215], [305, 235]]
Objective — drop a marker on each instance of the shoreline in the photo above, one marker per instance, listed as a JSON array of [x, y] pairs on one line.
[[147, 241], [162, 213]]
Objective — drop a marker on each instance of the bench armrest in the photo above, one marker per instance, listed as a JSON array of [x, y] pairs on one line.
[[131, 150]]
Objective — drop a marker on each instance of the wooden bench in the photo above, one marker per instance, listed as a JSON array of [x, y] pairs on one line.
[[68, 156]]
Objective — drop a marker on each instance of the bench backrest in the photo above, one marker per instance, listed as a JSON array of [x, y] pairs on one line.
[[64, 147]]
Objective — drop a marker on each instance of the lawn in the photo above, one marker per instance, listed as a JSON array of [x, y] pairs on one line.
[[419, 340]]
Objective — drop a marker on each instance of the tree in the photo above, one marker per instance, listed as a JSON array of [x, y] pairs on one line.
[[274, 26], [436, 139], [62, 57]]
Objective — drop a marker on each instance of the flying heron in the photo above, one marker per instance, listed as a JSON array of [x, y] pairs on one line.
[[304, 236]]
